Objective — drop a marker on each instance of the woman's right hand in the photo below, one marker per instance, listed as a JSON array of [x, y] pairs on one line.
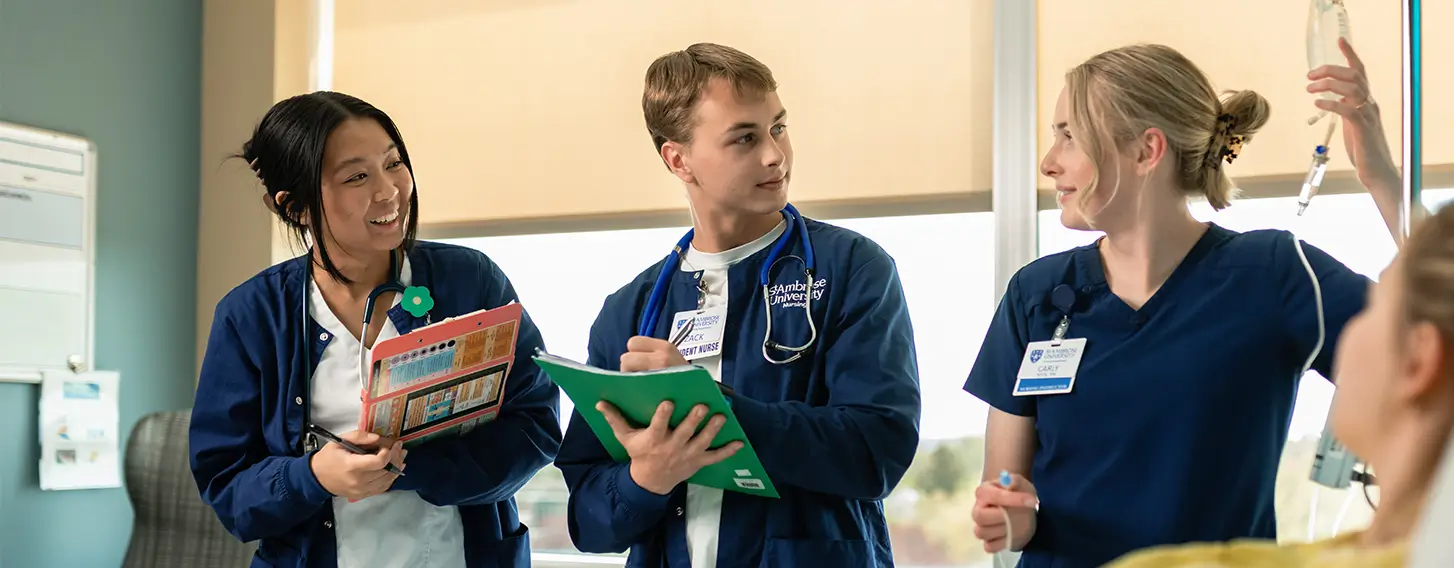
[[356, 476], [1019, 499]]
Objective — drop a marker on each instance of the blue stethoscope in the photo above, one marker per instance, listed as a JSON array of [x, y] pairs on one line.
[[416, 301], [657, 298]]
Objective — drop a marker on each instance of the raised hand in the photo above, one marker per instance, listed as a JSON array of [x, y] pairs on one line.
[[1363, 134]]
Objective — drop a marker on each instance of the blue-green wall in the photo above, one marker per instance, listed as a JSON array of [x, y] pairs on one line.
[[127, 75]]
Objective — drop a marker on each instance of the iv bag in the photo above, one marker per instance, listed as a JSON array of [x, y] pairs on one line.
[[1327, 21]]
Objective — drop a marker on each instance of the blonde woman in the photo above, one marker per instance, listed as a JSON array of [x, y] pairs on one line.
[[1395, 406], [1141, 386]]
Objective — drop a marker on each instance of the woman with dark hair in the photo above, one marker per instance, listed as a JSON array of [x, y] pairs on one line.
[[284, 354]]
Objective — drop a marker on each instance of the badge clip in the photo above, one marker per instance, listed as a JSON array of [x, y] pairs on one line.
[[1063, 297], [1060, 331]]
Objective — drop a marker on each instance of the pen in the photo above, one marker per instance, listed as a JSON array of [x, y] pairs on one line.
[[321, 431], [683, 333]]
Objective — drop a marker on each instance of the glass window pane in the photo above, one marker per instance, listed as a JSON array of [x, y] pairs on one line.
[[947, 266], [563, 279]]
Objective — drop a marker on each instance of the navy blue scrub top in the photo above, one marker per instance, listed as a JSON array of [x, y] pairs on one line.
[[1176, 424]]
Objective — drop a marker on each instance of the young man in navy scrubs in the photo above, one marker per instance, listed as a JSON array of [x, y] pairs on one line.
[[835, 428]]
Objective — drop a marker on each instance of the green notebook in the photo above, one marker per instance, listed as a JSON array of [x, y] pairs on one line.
[[638, 394]]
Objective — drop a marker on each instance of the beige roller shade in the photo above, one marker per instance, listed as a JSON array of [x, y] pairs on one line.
[[1260, 45], [254, 54], [531, 110]]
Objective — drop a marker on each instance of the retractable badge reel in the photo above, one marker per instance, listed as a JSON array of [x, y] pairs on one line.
[[698, 333], [1049, 367]]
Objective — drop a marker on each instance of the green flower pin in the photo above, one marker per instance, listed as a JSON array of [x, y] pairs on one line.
[[417, 301]]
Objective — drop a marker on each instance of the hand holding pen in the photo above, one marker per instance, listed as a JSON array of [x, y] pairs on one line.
[[1004, 512], [346, 469], [651, 354]]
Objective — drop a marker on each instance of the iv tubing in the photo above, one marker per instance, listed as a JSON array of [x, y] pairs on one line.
[[1342, 511], [1318, 304], [1314, 179]]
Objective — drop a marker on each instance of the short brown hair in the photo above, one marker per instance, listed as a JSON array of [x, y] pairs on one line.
[[675, 81]]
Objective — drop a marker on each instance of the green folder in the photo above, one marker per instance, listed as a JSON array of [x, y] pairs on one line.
[[638, 394]]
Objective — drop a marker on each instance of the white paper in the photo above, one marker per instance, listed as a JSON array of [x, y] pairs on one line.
[[79, 434]]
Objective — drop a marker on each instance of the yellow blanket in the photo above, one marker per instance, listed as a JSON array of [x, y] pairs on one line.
[[1340, 552]]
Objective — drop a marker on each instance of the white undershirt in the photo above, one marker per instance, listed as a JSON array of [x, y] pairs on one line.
[[397, 528], [704, 504]]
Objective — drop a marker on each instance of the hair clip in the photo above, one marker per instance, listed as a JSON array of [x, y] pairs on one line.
[[257, 171], [1232, 148], [1226, 122]]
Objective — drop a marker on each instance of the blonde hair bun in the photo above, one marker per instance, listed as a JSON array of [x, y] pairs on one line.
[[1123, 92]]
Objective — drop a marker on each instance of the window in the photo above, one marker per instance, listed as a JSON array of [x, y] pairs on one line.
[[1349, 228], [947, 266], [563, 280]]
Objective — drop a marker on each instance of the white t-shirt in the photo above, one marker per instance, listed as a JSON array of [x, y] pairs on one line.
[[397, 528], [704, 504]]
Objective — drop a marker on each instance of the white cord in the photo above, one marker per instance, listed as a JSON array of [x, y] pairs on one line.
[[1313, 515], [1342, 511], [1009, 531], [1317, 301], [1005, 481], [1313, 356]]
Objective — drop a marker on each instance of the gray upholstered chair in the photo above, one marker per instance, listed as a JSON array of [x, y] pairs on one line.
[[173, 527]]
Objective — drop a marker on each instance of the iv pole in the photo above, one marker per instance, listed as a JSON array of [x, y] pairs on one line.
[[1412, 112]]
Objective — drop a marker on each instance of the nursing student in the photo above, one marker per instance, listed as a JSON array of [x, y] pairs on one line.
[[1185, 340], [817, 354], [284, 353]]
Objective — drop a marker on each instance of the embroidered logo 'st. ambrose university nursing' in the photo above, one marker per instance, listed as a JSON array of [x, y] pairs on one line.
[[795, 294]]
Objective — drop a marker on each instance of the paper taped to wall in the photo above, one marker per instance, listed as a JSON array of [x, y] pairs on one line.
[[79, 430]]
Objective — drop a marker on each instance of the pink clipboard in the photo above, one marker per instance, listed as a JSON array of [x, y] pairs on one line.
[[443, 378]]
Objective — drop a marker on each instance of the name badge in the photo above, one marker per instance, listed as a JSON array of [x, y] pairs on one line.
[[705, 339], [1049, 367]]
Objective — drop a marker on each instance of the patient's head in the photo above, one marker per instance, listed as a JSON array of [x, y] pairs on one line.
[[1394, 370]]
